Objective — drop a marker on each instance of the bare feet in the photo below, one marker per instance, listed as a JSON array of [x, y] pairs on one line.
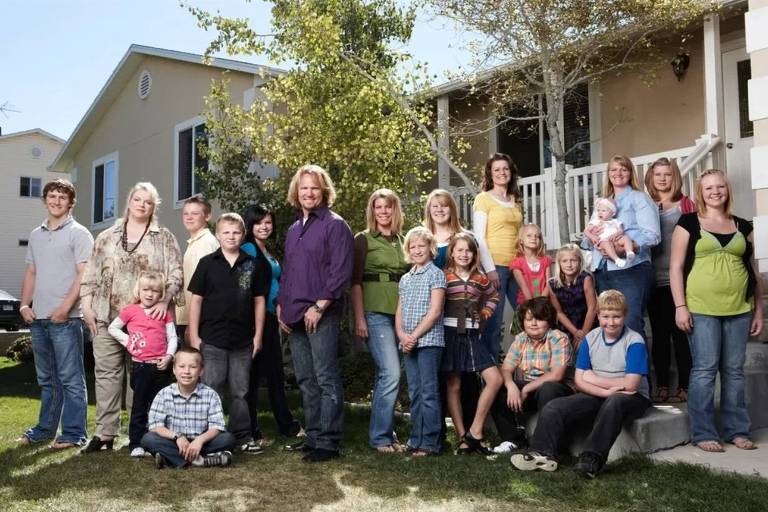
[[711, 446], [743, 443]]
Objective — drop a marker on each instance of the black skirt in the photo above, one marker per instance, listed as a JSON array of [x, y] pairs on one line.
[[464, 353]]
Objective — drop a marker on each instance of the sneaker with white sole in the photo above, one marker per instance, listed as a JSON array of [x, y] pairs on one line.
[[252, 448], [218, 459], [505, 447], [533, 461], [138, 452]]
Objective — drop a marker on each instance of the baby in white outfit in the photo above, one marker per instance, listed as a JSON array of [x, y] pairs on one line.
[[612, 232]]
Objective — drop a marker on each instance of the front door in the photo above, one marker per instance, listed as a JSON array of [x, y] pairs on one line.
[[738, 130]]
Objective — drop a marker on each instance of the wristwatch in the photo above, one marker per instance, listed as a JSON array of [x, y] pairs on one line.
[[176, 437], [318, 309]]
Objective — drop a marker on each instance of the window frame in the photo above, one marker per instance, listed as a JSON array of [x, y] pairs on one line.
[[29, 186], [104, 223], [192, 124]]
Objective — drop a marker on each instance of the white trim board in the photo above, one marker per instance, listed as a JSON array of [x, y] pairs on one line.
[[105, 223], [755, 22]]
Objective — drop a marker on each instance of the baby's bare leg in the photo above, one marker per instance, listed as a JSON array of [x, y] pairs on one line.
[[628, 246], [606, 246]]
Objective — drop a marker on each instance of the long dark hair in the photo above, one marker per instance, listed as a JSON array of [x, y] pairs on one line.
[[512, 188], [254, 214]]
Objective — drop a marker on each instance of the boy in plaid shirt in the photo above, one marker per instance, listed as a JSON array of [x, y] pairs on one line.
[[186, 421], [534, 371]]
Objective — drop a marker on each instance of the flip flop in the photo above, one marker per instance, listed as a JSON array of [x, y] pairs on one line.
[[710, 446], [743, 443], [61, 445]]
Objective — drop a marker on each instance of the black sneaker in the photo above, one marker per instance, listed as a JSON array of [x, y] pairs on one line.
[[252, 448], [301, 446], [159, 461], [589, 464], [220, 459], [321, 455]]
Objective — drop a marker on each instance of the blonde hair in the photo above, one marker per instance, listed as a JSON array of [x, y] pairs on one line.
[[606, 202], [677, 179], [153, 280], [423, 234], [397, 210], [559, 277], [700, 206], [447, 198], [233, 218], [323, 179], [520, 249], [153, 195], [612, 300], [626, 163], [474, 265]]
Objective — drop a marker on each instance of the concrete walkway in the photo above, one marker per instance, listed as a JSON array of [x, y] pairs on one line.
[[745, 462]]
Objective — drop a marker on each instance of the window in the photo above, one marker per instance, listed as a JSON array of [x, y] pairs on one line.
[[190, 136], [30, 187], [744, 73], [105, 188]]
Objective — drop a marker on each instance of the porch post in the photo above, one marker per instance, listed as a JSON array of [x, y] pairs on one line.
[[714, 116], [493, 135], [443, 141]]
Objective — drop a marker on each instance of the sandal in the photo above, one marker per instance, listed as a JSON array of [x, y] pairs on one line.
[[743, 443], [423, 453], [711, 446], [387, 448], [680, 396], [475, 444], [61, 445], [662, 395]]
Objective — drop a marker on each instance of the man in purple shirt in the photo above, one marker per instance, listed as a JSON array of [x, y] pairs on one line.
[[318, 269]]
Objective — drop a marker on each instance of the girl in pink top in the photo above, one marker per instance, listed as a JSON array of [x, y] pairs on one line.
[[531, 268], [151, 343]]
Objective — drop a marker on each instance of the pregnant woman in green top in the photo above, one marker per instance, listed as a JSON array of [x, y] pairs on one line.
[[379, 263], [719, 303]]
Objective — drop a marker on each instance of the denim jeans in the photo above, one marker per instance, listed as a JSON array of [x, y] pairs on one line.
[[230, 370], [154, 443], [316, 363], [604, 416], [146, 381], [718, 343], [636, 283], [421, 367], [382, 344], [269, 364], [491, 336], [58, 352]]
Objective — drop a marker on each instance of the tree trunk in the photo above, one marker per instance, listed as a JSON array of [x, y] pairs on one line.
[[555, 92]]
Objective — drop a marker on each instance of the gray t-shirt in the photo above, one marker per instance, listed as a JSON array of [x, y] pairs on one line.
[[660, 253], [55, 255], [615, 358]]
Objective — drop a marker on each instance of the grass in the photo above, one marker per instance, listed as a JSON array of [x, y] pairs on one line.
[[33, 478]]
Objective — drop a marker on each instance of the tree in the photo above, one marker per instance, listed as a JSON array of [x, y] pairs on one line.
[[345, 103], [545, 48]]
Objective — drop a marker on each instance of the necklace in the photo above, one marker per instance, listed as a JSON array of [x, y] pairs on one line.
[[124, 238]]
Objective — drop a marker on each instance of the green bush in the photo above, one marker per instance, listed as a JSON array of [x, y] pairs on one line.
[[21, 349]]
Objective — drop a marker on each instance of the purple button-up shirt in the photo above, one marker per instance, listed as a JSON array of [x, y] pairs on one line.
[[319, 256]]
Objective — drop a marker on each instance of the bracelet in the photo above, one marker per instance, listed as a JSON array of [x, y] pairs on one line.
[[681, 306], [22, 308]]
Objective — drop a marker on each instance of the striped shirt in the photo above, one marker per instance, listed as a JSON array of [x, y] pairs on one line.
[[415, 294], [467, 301], [530, 360], [187, 416]]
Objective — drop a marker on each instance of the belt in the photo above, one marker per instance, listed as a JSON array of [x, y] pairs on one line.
[[383, 277]]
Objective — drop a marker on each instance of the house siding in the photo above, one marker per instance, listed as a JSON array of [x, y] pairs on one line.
[[21, 214], [142, 133]]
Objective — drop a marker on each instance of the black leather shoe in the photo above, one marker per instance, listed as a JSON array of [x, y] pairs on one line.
[[321, 455], [301, 446], [96, 444]]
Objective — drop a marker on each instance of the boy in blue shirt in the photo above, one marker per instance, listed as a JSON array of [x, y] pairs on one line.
[[611, 369]]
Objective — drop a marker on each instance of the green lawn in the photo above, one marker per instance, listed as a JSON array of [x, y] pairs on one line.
[[33, 478]]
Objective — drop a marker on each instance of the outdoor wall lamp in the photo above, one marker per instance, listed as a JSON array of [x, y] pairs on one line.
[[680, 64]]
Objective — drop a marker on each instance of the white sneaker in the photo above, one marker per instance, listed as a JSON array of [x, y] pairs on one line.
[[505, 447], [138, 452], [621, 263], [532, 461]]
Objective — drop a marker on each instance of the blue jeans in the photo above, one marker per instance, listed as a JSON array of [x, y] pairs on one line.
[[421, 367], [228, 372], [491, 335], [58, 351], [382, 344], [636, 283], [316, 363], [168, 448], [718, 343]]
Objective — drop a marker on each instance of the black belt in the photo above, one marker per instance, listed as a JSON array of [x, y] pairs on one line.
[[383, 277]]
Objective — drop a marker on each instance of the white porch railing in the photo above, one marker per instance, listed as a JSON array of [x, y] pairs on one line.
[[584, 184]]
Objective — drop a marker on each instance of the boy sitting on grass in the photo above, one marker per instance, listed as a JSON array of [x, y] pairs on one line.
[[186, 422], [611, 366]]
